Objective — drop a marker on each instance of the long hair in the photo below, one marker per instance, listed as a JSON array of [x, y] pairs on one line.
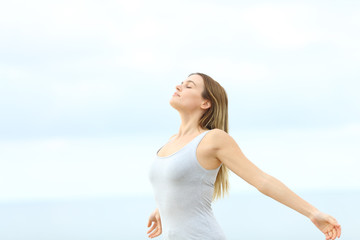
[[216, 117]]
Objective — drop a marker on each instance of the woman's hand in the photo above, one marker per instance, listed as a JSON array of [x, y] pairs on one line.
[[156, 227], [327, 224]]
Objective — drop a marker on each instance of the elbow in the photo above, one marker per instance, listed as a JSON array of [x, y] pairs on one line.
[[264, 183]]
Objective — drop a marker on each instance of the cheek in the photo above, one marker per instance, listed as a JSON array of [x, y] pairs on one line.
[[191, 99]]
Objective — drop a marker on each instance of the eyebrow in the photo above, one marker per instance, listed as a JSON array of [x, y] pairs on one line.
[[189, 81]]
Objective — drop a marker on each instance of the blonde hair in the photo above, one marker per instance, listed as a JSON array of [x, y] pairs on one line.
[[216, 117]]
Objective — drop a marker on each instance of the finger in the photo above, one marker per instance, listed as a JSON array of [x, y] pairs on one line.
[[155, 229], [152, 228], [154, 234], [151, 235], [335, 233], [157, 233], [327, 235], [149, 223], [159, 223], [332, 234], [339, 231]]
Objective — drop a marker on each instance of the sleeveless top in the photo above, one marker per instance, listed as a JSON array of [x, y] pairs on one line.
[[183, 194]]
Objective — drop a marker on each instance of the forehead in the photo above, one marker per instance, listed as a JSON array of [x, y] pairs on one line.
[[195, 78]]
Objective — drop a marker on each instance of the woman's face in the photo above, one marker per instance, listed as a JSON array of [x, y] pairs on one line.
[[188, 95]]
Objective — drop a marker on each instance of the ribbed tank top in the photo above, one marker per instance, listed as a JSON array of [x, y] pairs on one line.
[[183, 193]]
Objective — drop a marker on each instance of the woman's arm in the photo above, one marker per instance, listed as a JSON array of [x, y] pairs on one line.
[[230, 154]]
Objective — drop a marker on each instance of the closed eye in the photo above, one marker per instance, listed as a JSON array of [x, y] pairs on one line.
[[188, 82]]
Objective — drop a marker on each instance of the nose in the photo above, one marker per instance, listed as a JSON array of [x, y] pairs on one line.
[[178, 87]]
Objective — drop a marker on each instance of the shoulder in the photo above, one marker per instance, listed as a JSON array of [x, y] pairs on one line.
[[218, 138], [216, 132]]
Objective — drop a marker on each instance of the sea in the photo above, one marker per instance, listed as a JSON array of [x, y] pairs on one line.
[[243, 216]]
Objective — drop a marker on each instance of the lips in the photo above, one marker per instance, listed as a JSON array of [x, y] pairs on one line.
[[175, 93]]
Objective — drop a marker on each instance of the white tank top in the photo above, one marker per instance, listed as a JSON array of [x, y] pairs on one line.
[[183, 193]]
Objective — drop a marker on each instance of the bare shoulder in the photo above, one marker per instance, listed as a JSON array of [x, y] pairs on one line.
[[218, 131], [219, 138]]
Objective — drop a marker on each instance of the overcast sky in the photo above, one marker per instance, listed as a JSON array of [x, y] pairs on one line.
[[85, 86]]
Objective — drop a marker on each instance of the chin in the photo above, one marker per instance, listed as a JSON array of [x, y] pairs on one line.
[[174, 105]]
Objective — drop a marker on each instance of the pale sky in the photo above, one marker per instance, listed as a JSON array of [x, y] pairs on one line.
[[85, 89]]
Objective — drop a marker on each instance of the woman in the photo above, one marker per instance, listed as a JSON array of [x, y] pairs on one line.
[[191, 169]]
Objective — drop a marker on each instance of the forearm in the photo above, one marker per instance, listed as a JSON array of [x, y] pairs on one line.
[[278, 191]]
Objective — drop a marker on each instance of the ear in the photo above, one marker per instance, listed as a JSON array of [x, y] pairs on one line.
[[206, 104]]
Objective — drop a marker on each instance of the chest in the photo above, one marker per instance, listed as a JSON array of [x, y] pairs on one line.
[[204, 151]]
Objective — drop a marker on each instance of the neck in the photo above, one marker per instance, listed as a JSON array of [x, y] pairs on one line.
[[189, 124]]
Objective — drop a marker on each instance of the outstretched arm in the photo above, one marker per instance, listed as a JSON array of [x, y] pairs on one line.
[[230, 154]]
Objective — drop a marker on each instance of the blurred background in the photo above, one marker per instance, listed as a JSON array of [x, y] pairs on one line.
[[84, 106]]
